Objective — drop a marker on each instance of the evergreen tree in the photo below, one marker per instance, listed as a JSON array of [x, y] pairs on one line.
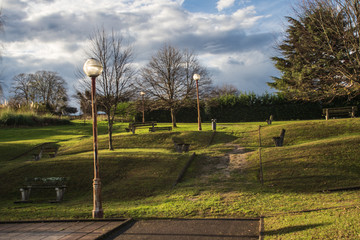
[[317, 60]]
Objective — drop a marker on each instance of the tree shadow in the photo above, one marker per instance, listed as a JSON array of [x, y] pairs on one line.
[[298, 228]]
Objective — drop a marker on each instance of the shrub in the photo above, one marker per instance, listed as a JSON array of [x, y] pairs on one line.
[[17, 119]]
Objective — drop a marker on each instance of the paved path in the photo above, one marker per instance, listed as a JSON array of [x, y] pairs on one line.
[[64, 230], [190, 229], [157, 229]]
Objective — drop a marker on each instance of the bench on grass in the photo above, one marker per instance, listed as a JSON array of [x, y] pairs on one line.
[[57, 183], [279, 141], [154, 129], [38, 156], [133, 126], [339, 111], [46, 149], [180, 146], [51, 151]]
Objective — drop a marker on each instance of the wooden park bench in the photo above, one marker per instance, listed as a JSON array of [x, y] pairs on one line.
[[340, 111], [180, 146], [279, 141], [154, 129], [57, 183], [133, 126], [46, 149], [50, 150]]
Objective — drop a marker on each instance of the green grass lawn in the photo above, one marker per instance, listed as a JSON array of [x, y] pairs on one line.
[[138, 176]]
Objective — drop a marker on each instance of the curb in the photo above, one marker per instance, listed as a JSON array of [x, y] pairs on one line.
[[261, 228], [182, 173], [113, 231], [69, 220]]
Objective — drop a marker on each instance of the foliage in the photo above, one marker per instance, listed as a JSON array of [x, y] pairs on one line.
[[251, 107], [126, 111], [12, 118], [244, 107], [320, 52]]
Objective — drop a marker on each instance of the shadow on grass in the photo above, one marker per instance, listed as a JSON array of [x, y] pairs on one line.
[[292, 229], [222, 137]]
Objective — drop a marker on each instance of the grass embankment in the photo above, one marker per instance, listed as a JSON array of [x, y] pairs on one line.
[[138, 176]]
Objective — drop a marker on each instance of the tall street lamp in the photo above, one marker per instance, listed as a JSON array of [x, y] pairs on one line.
[[143, 106], [197, 78], [93, 69]]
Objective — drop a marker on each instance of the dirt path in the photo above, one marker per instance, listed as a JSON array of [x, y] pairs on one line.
[[232, 161], [235, 160]]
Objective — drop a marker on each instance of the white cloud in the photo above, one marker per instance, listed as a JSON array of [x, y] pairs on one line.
[[222, 4], [52, 34], [246, 71]]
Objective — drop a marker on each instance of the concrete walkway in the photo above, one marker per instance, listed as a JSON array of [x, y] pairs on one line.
[[190, 229], [121, 229], [56, 230]]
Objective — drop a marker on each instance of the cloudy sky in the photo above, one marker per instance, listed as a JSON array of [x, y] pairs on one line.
[[234, 39]]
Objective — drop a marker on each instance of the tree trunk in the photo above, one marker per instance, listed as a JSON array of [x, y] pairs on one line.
[[173, 118], [110, 129]]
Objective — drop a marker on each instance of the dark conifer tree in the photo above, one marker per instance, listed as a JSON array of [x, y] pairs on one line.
[[318, 61]]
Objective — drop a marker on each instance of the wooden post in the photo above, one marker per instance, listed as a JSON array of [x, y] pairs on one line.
[[261, 228], [327, 114], [259, 135], [352, 112]]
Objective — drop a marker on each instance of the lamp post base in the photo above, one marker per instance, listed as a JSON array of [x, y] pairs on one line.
[[97, 211]]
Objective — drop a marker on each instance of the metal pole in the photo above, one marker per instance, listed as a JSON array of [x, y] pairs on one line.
[[97, 211], [143, 108], [198, 104]]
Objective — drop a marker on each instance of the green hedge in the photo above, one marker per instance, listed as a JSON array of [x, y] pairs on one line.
[[247, 108]]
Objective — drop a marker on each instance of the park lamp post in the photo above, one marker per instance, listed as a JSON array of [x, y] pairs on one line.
[[196, 77], [93, 69], [143, 106]]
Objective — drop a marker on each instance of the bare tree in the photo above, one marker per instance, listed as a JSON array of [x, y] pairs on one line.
[[114, 84], [22, 88], [50, 89], [226, 89], [168, 78], [43, 87]]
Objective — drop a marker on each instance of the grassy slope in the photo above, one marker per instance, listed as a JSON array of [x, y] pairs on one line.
[[138, 176]]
